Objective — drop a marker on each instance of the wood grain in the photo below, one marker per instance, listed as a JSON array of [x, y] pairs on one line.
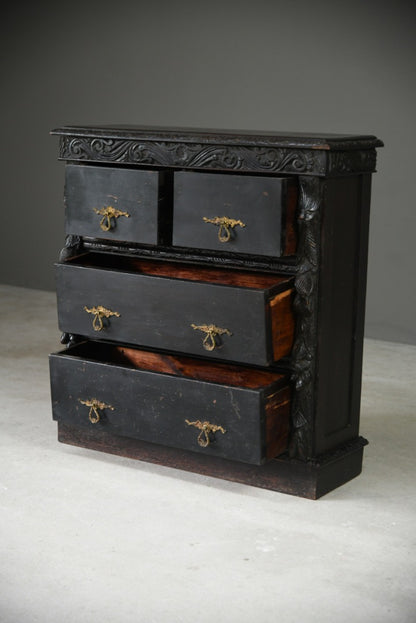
[[282, 324], [177, 270], [236, 376]]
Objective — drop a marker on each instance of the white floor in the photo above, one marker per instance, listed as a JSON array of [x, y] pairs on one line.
[[91, 538]]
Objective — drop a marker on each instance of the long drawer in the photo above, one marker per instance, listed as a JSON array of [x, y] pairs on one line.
[[233, 315], [221, 410]]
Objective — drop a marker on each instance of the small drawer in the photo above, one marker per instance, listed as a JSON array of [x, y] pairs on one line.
[[221, 410], [117, 203], [228, 314], [235, 213]]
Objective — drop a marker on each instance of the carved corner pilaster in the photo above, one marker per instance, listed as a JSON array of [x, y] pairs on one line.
[[305, 305], [70, 339], [73, 246]]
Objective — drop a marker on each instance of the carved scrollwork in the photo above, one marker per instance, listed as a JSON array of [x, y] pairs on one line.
[[305, 305], [70, 339], [230, 157], [73, 246]]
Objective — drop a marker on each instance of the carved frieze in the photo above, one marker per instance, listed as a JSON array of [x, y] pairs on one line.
[[173, 154]]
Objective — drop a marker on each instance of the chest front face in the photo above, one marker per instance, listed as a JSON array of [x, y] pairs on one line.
[[212, 291]]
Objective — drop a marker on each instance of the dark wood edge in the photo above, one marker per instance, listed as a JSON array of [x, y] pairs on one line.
[[285, 265], [324, 141], [284, 475], [287, 159]]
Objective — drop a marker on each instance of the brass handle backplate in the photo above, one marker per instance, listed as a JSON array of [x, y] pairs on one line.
[[206, 428], [100, 312], [225, 224], [212, 332], [95, 406], [109, 213]]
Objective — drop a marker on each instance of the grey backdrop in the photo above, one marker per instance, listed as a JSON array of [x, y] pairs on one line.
[[300, 65]]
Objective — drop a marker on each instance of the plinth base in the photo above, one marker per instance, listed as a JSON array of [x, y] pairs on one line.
[[311, 479]]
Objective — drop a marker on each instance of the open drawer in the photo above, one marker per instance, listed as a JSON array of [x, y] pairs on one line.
[[233, 315], [223, 410]]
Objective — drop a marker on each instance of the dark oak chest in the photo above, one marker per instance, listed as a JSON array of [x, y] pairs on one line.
[[211, 297]]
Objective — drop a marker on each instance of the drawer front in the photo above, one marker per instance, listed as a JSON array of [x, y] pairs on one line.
[[165, 409], [114, 203], [235, 213], [171, 314]]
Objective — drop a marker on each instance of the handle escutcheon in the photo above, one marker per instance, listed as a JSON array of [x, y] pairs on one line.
[[225, 225], [207, 429], [108, 213], [99, 313], [95, 406], [212, 332]]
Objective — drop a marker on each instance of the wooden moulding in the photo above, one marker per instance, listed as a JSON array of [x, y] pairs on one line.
[[304, 479]]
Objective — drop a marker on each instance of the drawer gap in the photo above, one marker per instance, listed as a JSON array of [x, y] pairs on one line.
[[176, 270], [186, 367]]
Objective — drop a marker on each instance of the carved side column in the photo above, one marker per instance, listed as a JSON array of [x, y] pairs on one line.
[[305, 304], [73, 246]]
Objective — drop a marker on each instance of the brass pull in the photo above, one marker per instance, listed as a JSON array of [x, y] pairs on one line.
[[209, 342], [100, 312], [108, 213], [225, 224], [95, 405], [206, 429]]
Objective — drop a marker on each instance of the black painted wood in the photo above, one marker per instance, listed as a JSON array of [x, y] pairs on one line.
[[143, 195], [265, 152], [332, 174], [258, 202], [341, 306], [154, 407], [159, 312]]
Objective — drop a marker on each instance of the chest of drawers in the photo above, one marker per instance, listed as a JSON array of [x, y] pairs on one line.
[[211, 298]]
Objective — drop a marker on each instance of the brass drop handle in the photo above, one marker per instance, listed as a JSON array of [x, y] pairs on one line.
[[95, 406], [225, 225], [211, 331], [109, 213], [206, 428], [100, 312]]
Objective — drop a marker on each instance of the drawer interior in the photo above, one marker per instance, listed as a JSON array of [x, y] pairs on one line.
[[178, 270], [185, 367]]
